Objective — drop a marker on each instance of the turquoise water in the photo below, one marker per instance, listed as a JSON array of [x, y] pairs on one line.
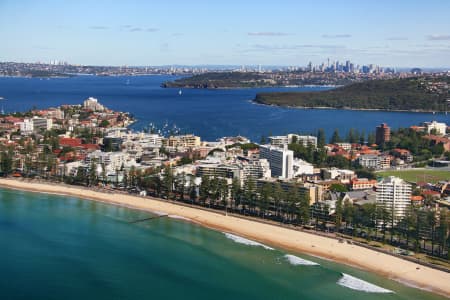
[[55, 247]]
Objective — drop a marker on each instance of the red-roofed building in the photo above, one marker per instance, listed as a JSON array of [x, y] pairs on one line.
[[362, 183], [417, 198], [70, 142]]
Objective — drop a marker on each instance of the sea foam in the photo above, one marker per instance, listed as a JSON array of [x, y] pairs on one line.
[[360, 285], [179, 217], [297, 261], [241, 240]]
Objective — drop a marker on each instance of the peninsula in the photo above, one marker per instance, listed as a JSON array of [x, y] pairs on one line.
[[406, 94], [280, 78]]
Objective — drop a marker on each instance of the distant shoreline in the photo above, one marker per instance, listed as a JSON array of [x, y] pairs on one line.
[[348, 108], [249, 87], [401, 270]]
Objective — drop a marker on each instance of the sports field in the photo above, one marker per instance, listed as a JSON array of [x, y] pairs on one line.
[[416, 175]]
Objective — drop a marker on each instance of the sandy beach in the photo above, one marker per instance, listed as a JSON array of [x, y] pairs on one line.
[[392, 267]]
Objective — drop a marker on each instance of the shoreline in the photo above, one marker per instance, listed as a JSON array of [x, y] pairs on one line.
[[348, 108], [400, 270]]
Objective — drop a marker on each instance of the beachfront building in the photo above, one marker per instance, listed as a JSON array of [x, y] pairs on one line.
[[218, 170], [111, 160], [255, 168], [439, 128], [280, 160], [394, 195]]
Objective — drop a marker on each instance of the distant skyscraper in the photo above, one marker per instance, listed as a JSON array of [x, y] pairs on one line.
[[382, 134]]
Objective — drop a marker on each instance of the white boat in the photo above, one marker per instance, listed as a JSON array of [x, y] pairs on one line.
[[180, 92]]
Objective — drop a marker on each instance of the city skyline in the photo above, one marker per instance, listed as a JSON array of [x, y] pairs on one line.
[[401, 34]]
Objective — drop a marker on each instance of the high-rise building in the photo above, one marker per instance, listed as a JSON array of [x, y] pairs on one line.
[[280, 160], [382, 134], [394, 195]]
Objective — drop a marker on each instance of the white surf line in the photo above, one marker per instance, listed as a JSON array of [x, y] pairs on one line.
[[241, 240], [297, 261], [357, 284], [179, 218]]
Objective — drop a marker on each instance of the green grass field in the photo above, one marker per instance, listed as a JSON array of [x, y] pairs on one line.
[[415, 175]]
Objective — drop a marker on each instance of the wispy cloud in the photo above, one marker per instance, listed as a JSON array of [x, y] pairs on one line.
[[138, 29], [267, 33], [98, 27], [438, 37], [294, 47], [397, 38], [336, 36]]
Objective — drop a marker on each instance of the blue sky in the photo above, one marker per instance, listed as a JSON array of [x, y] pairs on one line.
[[389, 33]]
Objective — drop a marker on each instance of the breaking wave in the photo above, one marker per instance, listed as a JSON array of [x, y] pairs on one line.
[[241, 240], [360, 285], [297, 261], [179, 217]]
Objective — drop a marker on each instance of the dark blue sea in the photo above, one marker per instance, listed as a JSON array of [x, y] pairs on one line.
[[209, 113]]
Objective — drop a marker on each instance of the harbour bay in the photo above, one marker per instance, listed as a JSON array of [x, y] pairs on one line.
[[79, 248], [210, 114]]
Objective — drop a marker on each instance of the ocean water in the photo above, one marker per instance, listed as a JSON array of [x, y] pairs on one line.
[[209, 113], [56, 247]]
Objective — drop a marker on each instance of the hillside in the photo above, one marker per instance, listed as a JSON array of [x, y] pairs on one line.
[[219, 80], [407, 94], [214, 80]]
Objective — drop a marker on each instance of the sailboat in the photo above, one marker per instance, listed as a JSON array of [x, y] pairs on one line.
[[180, 92]]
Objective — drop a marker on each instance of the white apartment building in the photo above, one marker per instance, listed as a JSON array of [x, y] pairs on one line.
[[345, 176], [280, 160], [26, 127], [256, 169], [281, 140], [93, 104], [373, 161], [440, 128], [394, 194], [301, 167], [112, 160], [42, 123]]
